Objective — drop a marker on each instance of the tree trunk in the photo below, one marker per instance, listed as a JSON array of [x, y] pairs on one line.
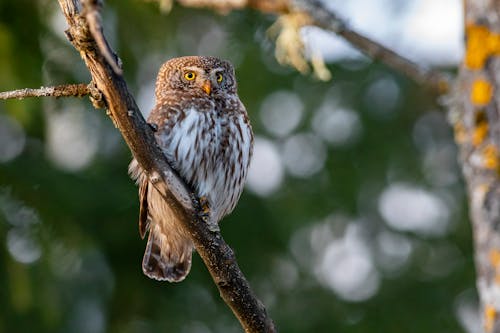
[[475, 118]]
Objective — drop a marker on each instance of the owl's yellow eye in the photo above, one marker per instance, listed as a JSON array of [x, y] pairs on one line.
[[190, 76], [219, 77]]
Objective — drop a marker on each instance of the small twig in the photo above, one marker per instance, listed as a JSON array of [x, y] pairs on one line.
[[326, 19], [66, 90], [92, 13]]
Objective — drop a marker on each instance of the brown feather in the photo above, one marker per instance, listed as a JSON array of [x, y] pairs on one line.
[[143, 207], [156, 265]]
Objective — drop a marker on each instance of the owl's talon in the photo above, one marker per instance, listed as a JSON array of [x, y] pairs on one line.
[[205, 215], [213, 226], [205, 209], [154, 177], [153, 126]]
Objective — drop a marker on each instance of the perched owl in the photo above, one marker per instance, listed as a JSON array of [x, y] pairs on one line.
[[203, 129]]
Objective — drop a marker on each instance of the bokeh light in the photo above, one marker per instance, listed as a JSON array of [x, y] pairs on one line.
[[266, 169], [304, 154], [72, 138], [22, 246], [337, 126], [281, 112], [12, 139], [382, 96], [347, 267], [409, 208]]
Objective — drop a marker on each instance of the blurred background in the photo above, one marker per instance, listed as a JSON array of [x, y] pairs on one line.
[[354, 218]]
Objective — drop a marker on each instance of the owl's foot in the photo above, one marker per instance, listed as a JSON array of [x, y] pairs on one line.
[[205, 209], [213, 226], [153, 126], [205, 215]]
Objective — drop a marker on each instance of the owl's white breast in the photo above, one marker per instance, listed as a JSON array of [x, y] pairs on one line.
[[190, 146], [212, 152]]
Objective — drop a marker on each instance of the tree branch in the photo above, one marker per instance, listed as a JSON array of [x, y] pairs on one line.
[[324, 18], [92, 13], [217, 255], [67, 90], [328, 20]]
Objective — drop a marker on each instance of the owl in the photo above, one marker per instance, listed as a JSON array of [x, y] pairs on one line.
[[204, 132]]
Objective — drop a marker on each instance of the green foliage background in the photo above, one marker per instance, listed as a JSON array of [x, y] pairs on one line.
[[85, 276]]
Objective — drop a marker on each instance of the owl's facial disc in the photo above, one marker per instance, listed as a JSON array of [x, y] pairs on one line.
[[209, 80]]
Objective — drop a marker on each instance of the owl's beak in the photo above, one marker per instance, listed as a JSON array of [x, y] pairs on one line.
[[207, 87]]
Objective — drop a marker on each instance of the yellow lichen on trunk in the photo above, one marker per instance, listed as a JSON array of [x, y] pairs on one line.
[[490, 314], [481, 92], [480, 133], [495, 263], [490, 157], [481, 44], [460, 133]]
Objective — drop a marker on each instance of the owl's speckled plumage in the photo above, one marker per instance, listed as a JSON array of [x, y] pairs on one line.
[[204, 132]]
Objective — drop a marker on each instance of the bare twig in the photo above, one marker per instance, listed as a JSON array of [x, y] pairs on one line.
[[217, 255], [92, 13], [67, 90]]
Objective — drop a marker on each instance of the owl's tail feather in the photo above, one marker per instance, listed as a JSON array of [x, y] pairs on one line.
[[169, 251], [171, 267]]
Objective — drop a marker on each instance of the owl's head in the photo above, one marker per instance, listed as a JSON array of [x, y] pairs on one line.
[[196, 75]]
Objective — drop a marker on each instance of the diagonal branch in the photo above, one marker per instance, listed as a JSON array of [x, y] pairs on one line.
[[66, 90], [328, 20], [92, 13], [319, 15], [217, 255]]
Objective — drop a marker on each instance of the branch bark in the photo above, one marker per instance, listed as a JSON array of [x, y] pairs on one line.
[[66, 90], [217, 255], [475, 118]]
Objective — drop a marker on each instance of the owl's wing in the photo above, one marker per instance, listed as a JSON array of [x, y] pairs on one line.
[[143, 207], [136, 172]]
